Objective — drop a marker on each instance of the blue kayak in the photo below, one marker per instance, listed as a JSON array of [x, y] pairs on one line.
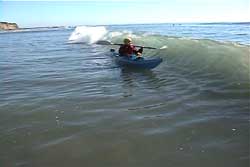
[[133, 62]]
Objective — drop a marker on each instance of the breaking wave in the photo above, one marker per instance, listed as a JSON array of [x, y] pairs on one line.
[[191, 56]]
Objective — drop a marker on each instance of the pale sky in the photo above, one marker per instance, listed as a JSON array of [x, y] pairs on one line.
[[102, 12]]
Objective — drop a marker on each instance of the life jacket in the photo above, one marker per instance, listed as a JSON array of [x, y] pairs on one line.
[[127, 50]]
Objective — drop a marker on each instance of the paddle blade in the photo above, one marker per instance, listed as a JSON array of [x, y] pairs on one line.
[[164, 47]]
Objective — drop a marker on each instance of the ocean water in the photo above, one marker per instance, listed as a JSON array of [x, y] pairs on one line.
[[64, 102]]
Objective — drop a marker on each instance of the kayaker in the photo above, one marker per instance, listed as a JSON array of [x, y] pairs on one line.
[[128, 49]]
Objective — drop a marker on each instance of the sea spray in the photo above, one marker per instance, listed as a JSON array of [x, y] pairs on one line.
[[86, 34]]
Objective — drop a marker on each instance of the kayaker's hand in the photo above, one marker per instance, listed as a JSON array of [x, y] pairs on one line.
[[141, 49]]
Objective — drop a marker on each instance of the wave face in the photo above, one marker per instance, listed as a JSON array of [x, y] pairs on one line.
[[203, 56]]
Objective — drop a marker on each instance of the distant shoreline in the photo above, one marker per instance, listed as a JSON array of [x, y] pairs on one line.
[[7, 26], [202, 23]]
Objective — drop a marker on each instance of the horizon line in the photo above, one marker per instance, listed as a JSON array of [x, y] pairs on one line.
[[114, 24]]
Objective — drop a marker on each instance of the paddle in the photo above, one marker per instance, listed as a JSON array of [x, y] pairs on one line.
[[110, 43]]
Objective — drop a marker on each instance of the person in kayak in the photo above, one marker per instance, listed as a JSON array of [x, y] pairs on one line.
[[128, 49]]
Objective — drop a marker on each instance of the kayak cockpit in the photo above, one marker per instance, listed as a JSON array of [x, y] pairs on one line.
[[135, 62]]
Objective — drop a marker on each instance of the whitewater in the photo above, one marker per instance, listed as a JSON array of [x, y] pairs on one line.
[[65, 102]]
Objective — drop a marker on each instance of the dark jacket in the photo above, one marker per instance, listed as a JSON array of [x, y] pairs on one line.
[[128, 50]]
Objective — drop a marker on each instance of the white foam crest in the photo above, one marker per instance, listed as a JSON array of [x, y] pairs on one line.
[[148, 34], [87, 34], [130, 34], [115, 34], [122, 34]]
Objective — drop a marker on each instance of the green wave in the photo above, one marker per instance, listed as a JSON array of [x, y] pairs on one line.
[[229, 60]]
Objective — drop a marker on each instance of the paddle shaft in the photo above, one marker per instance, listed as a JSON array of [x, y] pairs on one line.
[[110, 43], [146, 47]]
